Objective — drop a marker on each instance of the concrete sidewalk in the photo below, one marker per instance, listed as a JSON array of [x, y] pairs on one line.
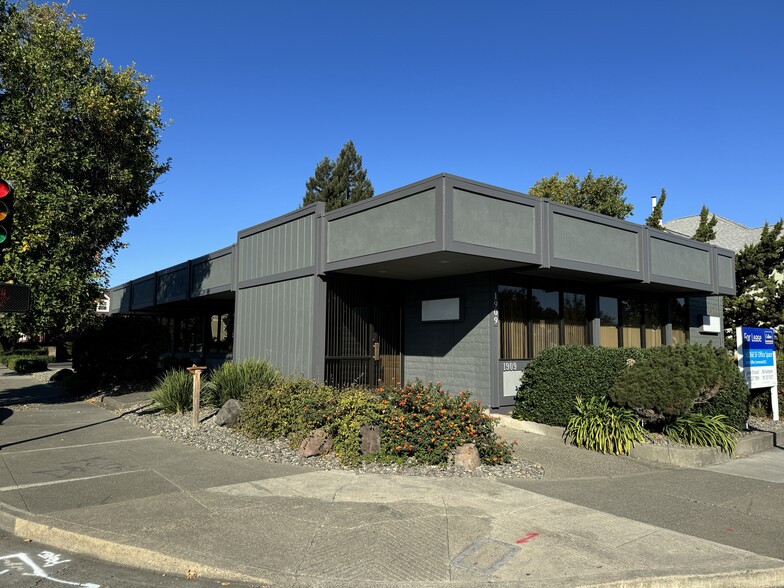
[[75, 475]]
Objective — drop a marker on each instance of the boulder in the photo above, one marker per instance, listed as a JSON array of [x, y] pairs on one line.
[[369, 439], [229, 414], [318, 442], [466, 457], [61, 375]]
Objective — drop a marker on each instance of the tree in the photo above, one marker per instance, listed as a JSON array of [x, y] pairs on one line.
[[706, 229], [79, 142], [759, 279], [655, 220], [603, 194], [338, 183]]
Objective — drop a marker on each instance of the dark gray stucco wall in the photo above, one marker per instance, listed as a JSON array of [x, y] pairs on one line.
[[457, 354]]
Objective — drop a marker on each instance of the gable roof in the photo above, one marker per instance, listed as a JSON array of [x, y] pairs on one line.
[[729, 234]]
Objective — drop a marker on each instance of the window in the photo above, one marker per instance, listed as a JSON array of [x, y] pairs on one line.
[[631, 322], [545, 319], [608, 321], [654, 327], [513, 324], [221, 332], [532, 320], [679, 317], [575, 319]]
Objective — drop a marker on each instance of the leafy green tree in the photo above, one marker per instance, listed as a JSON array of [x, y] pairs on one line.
[[603, 194], [338, 183], [655, 220], [759, 278], [79, 142], [706, 230]]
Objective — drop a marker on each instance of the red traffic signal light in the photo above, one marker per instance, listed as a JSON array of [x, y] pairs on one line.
[[6, 212]]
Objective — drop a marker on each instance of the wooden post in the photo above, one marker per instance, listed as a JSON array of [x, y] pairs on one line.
[[196, 370]]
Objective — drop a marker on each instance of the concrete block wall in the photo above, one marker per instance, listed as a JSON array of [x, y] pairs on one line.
[[455, 353], [698, 307]]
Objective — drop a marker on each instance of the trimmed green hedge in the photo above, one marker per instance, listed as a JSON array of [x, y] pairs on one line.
[[27, 364], [557, 376]]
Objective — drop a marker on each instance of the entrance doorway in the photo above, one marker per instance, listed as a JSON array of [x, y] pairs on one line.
[[364, 333]]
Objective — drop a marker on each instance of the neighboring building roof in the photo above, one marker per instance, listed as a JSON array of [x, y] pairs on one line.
[[729, 234]]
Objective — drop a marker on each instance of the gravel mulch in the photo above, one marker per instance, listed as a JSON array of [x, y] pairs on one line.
[[230, 441]]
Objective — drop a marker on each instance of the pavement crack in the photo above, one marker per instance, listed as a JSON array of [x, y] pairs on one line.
[[317, 532], [188, 493], [448, 546], [18, 491]]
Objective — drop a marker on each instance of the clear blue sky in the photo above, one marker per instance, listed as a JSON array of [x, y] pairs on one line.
[[677, 94]]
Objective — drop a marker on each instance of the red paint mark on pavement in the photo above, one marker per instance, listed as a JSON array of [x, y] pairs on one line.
[[527, 538]]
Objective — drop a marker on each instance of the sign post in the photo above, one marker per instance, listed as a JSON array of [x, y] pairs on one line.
[[757, 361], [196, 370]]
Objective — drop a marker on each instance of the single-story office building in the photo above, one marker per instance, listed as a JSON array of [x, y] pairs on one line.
[[446, 279]]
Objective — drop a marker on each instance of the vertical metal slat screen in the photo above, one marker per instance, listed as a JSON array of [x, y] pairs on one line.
[[348, 343], [357, 316]]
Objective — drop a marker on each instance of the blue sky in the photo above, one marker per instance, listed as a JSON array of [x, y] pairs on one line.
[[684, 95]]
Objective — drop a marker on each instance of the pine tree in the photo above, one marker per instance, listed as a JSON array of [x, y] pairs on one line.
[[759, 279], [655, 220], [706, 229], [338, 183]]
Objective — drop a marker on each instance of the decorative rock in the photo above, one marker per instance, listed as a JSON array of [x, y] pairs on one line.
[[229, 414], [61, 374], [317, 443], [466, 457], [369, 439]]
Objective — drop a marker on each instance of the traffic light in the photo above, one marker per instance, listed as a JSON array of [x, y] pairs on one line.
[[6, 212]]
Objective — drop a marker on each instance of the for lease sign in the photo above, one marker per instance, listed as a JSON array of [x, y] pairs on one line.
[[757, 356]]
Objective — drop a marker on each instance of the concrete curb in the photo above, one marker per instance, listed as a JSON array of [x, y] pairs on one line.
[[113, 551], [142, 558], [676, 455], [767, 578]]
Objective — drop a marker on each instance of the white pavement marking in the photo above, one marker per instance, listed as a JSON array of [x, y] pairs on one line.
[[39, 484], [82, 445]]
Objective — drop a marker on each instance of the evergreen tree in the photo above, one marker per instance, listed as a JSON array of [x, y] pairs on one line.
[[339, 183], [655, 220], [603, 194], [759, 278], [706, 229]]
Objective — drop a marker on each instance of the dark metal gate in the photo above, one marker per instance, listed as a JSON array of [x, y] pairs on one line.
[[364, 333]]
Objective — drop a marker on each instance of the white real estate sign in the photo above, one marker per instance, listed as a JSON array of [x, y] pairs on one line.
[[757, 361]]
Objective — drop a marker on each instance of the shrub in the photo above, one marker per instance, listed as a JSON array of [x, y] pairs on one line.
[[554, 378], [119, 349], [669, 382], [291, 408], [174, 391], [427, 423], [732, 399], [355, 408], [27, 364], [235, 380], [598, 426], [705, 430]]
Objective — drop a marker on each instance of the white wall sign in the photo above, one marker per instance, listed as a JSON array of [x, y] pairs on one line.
[[443, 309]]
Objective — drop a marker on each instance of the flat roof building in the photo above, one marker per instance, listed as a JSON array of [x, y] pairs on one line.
[[445, 279]]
